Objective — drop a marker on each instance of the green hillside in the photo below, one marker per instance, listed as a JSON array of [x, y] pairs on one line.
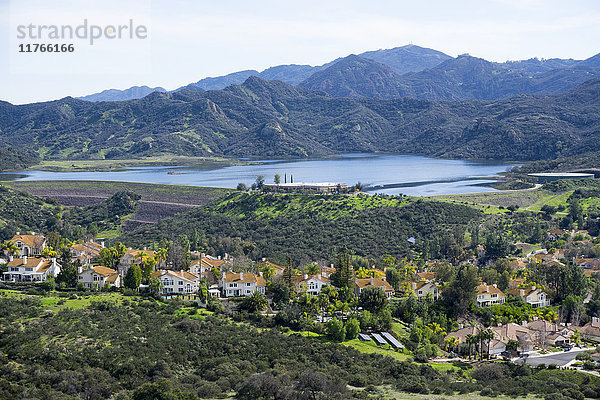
[[273, 119]]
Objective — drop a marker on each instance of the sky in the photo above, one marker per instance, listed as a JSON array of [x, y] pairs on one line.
[[188, 40]]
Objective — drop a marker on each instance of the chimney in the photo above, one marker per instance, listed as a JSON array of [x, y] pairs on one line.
[[102, 244], [144, 248], [414, 285], [241, 276], [305, 276], [522, 293], [218, 258], [24, 260], [371, 281], [533, 288], [523, 323], [264, 259], [10, 258], [18, 233], [181, 273], [202, 255]]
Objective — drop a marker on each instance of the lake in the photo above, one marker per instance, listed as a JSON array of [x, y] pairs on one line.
[[379, 173]]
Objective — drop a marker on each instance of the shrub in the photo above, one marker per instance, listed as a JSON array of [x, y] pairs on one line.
[[352, 328]]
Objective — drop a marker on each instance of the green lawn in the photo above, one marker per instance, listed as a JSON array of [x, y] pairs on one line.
[[53, 301]]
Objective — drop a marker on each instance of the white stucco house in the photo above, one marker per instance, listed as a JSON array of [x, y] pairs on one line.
[[31, 269]]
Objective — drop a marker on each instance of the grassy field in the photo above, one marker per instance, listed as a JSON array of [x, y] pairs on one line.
[[55, 302], [491, 202], [267, 206]]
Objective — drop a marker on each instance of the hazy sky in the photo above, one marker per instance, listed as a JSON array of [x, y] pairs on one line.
[[192, 39]]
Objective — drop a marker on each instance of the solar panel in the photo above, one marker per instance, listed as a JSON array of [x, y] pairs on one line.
[[393, 341], [378, 338], [364, 337]]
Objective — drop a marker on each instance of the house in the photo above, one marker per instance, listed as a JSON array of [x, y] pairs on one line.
[[239, 284], [549, 333], [31, 269], [381, 283], [278, 268], [131, 257], [426, 289], [87, 252], [177, 282], [591, 330], [313, 284], [531, 295], [512, 331], [425, 276], [587, 263], [555, 234], [98, 276], [488, 295], [517, 264], [515, 283], [205, 265], [29, 245]]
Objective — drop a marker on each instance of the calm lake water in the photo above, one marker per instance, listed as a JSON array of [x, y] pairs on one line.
[[380, 173]]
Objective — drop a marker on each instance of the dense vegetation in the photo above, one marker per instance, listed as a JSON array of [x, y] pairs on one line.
[[22, 211], [153, 351], [13, 159], [309, 227], [271, 118]]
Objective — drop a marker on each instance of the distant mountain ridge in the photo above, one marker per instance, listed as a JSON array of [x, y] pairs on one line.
[[408, 71], [273, 119], [134, 92], [403, 59]]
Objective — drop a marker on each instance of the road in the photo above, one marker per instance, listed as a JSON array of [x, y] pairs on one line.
[[560, 359]]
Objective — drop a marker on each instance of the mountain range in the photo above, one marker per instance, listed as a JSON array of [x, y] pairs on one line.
[[407, 71], [274, 119]]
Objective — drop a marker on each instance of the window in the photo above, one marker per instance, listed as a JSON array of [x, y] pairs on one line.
[[180, 283], [248, 284]]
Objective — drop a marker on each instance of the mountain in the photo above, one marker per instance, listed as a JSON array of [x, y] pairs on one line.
[[409, 58], [355, 76], [273, 119], [134, 92], [220, 82], [403, 59], [461, 78]]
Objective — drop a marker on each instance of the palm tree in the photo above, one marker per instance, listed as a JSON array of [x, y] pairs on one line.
[[452, 343], [485, 336], [471, 341], [10, 247], [267, 270], [162, 256], [141, 255]]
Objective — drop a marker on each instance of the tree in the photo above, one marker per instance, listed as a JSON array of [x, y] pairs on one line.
[[241, 186], [460, 292], [335, 330], [68, 271], [496, 246], [10, 247], [393, 277], [48, 285], [260, 182], [352, 328], [471, 341], [452, 343], [267, 270], [342, 277], [155, 285], [133, 278], [372, 299], [575, 211], [254, 303], [277, 179], [148, 266]]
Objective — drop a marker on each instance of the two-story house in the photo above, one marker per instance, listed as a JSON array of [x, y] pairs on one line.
[[31, 269], [97, 277], [488, 295], [531, 295], [177, 282], [86, 252], [131, 257], [29, 245], [239, 284], [313, 284], [380, 283], [426, 289]]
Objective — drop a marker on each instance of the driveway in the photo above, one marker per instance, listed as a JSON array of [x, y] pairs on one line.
[[560, 358]]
